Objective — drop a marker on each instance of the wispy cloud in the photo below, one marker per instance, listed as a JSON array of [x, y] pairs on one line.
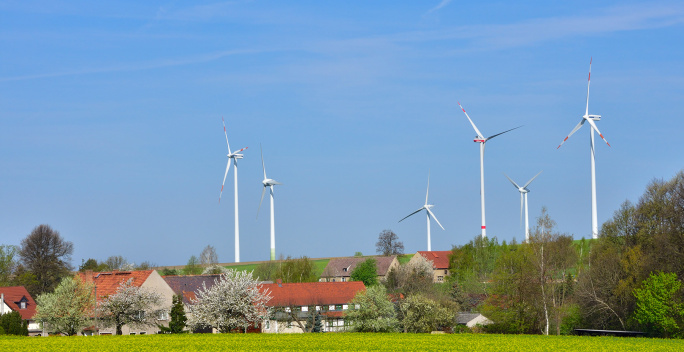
[[498, 36], [141, 65], [442, 4]]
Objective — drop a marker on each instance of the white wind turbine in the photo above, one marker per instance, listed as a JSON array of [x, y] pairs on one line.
[[482, 140], [523, 194], [267, 182], [590, 119], [234, 156], [429, 213]]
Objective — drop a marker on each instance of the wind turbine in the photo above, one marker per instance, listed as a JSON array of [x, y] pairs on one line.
[[234, 156], [523, 194], [429, 213], [482, 140], [267, 182], [590, 119]]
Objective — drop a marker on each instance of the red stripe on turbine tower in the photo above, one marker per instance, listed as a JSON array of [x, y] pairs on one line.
[[484, 227]]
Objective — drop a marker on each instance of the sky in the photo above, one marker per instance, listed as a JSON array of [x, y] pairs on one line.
[[110, 119]]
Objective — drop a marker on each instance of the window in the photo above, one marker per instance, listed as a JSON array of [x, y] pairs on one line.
[[440, 278], [338, 307], [357, 306], [345, 307], [446, 271], [331, 307], [132, 333], [297, 309], [22, 305], [143, 332], [162, 315], [140, 315], [344, 269], [268, 324], [305, 309], [344, 279], [318, 308]]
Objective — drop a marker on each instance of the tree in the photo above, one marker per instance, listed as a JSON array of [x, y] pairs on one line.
[[8, 264], [422, 314], [208, 256], [235, 301], [659, 306], [12, 324], [192, 267], [178, 318], [297, 270], [92, 264], [389, 244], [130, 305], [412, 277], [266, 271], [116, 262], [46, 255], [69, 309], [367, 272], [372, 311], [314, 321]]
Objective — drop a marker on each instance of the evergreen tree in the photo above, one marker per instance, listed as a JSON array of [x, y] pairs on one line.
[[178, 318]]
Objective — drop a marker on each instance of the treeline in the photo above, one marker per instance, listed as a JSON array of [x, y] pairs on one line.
[[627, 279]]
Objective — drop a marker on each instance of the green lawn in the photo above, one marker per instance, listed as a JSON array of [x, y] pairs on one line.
[[336, 342], [404, 258]]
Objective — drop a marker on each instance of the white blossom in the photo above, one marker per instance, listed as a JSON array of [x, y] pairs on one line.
[[130, 305], [235, 301]]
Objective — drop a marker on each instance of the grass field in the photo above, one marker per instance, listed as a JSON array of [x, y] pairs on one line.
[[336, 342]]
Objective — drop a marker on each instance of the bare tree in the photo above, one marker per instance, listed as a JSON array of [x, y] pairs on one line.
[[208, 256], [46, 255], [389, 244]]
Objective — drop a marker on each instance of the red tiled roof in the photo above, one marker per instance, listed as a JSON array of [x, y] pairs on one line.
[[440, 259], [106, 283], [312, 293], [336, 266], [13, 297]]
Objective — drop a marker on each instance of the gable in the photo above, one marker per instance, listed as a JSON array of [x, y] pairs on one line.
[[14, 296], [106, 283]]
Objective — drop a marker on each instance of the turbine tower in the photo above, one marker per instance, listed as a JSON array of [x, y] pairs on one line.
[[429, 213], [523, 194], [234, 157], [482, 140], [590, 119], [267, 182]]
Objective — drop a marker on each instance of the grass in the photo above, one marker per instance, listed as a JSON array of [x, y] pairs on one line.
[[404, 258], [336, 342]]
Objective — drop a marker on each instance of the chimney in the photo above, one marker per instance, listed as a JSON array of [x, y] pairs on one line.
[[279, 282], [2, 303]]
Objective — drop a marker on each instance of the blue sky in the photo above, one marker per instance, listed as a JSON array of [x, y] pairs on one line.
[[110, 119]]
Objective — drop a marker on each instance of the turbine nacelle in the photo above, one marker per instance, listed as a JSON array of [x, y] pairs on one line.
[[270, 182], [592, 117], [234, 156]]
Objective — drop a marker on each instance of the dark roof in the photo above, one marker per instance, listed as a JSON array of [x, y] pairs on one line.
[[440, 259], [312, 293], [189, 284], [336, 266], [106, 283], [13, 297]]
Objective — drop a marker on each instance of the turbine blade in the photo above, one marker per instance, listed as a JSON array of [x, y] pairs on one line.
[[588, 83], [226, 133], [573, 131], [241, 149], [434, 217], [593, 125], [513, 182], [263, 166], [262, 199], [471, 122], [532, 179], [421, 208], [224, 180], [428, 189], [498, 134]]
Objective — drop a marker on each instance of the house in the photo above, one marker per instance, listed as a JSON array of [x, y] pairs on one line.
[[472, 319], [187, 286], [17, 299], [295, 302], [440, 263], [106, 283], [340, 269]]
